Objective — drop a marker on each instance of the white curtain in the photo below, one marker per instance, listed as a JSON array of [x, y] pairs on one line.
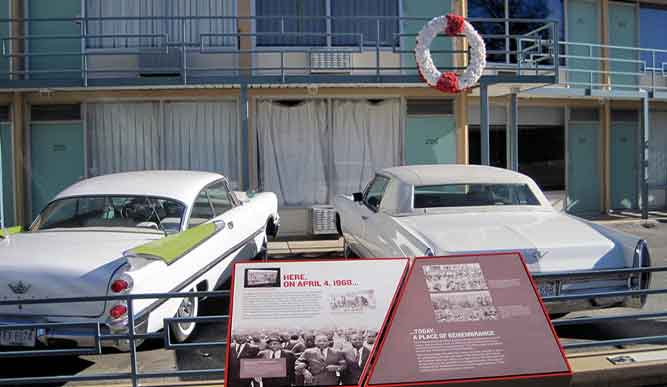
[[176, 30], [202, 136], [294, 151], [123, 137], [366, 138], [177, 135]]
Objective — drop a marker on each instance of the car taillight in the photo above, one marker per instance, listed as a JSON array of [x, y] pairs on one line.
[[118, 311], [119, 285], [121, 281]]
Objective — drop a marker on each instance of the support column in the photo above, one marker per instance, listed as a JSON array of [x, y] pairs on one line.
[[460, 7], [605, 159], [16, 44], [461, 121], [244, 41], [604, 27], [484, 123], [245, 163], [19, 128], [643, 152], [513, 134]]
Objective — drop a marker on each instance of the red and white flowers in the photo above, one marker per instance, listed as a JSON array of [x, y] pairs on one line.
[[448, 81]]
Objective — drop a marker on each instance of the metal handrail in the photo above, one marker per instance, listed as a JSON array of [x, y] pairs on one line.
[[135, 375], [364, 34]]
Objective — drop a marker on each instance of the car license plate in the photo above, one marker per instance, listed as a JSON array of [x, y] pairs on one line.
[[17, 337], [548, 288]]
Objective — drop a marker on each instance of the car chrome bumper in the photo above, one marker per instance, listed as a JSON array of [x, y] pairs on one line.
[[80, 334], [571, 287]]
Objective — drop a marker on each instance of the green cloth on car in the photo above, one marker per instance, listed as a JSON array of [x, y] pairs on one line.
[[10, 230], [173, 247]]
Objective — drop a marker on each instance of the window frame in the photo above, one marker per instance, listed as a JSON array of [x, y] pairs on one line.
[[368, 189], [232, 198], [329, 30], [192, 207]]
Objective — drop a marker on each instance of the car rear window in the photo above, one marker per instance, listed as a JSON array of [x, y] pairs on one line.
[[112, 211], [468, 195]]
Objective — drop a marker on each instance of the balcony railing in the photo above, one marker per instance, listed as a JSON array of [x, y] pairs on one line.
[[258, 50], [90, 51]]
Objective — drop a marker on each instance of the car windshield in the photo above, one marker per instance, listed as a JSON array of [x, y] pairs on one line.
[[467, 195], [112, 211]]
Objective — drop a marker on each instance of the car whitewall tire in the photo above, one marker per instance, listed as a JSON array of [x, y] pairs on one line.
[[189, 307]]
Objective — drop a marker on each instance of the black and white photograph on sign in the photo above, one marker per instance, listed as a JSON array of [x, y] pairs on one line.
[[454, 278], [351, 302], [321, 321], [262, 278], [314, 356], [467, 306]]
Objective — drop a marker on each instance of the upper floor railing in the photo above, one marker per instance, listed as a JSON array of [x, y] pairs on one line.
[[119, 51], [128, 51]]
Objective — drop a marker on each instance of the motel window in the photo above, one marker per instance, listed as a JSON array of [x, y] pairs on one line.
[[203, 24], [515, 9], [304, 22], [652, 34]]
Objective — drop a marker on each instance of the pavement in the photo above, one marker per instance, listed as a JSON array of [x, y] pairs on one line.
[[646, 367]]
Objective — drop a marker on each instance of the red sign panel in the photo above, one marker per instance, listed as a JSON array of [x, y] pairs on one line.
[[469, 318]]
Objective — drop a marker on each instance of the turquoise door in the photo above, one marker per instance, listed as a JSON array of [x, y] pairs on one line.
[[623, 33], [582, 27], [583, 168], [624, 165], [60, 57], [426, 10], [7, 173], [57, 160], [430, 140]]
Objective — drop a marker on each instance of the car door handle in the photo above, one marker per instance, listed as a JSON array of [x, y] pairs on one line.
[[220, 224], [364, 217]]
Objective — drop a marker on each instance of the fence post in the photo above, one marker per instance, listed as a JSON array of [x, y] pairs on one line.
[[133, 343]]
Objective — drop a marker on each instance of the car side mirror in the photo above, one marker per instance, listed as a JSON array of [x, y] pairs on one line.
[[358, 196]]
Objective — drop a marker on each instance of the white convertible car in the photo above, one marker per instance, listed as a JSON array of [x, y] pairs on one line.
[[436, 210], [135, 232]]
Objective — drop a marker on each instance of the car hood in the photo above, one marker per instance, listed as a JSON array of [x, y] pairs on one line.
[[550, 241], [63, 264]]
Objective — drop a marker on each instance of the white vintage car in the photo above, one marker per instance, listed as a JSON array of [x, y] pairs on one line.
[[436, 210], [135, 232]]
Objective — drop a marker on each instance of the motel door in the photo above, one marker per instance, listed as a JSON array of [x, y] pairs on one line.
[[624, 179], [583, 171], [57, 160]]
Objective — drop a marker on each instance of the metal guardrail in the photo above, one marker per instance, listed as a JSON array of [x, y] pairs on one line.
[[269, 53], [132, 336], [135, 376], [591, 320], [86, 58]]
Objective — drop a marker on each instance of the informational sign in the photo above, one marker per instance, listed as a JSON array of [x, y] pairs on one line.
[[467, 319], [308, 322]]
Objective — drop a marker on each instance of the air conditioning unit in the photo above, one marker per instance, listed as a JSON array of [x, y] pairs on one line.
[[323, 219], [160, 62], [330, 62]]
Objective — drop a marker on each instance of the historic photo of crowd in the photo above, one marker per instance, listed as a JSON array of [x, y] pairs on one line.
[[355, 301], [324, 357], [454, 278], [460, 307]]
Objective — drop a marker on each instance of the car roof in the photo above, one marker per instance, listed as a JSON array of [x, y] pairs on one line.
[[420, 175], [179, 185]]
